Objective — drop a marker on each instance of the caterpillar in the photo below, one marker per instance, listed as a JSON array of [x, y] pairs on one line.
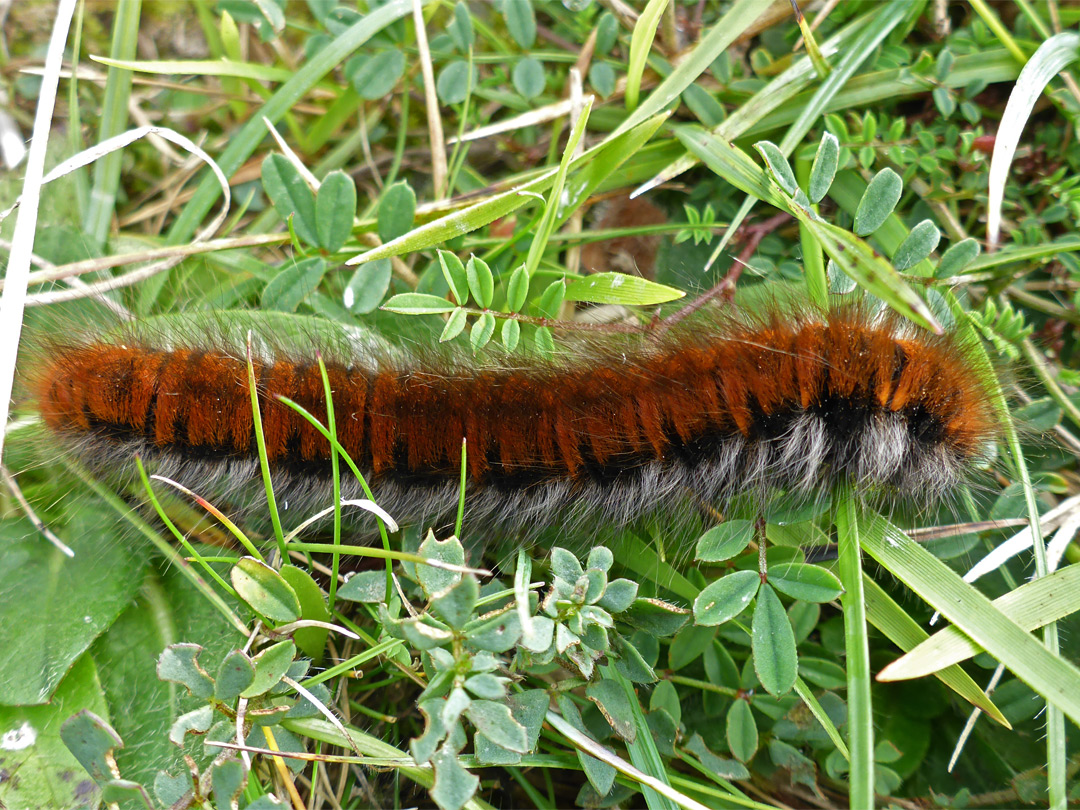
[[718, 406]]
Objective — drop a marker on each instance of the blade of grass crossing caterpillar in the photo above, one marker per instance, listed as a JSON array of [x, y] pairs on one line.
[[892, 620], [856, 642], [974, 613]]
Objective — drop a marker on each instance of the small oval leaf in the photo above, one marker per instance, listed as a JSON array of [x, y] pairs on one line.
[[810, 583], [920, 243], [878, 201], [776, 661], [726, 598], [265, 591], [824, 169], [724, 541]]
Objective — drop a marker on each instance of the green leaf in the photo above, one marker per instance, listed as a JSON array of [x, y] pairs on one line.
[[666, 698], [374, 77], [618, 288], [822, 672], [461, 27], [741, 731], [234, 676], [455, 325], [688, 644], [418, 304], [773, 642], [565, 565], [495, 633], [528, 77], [453, 784], [179, 663], [44, 746], [1032, 605], [436, 580], [264, 590], [456, 277], [610, 698], [196, 722], [290, 194], [367, 286], [958, 257], [520, 22], [552, 300], [288, 289], [397, 209], [600, 775], [482, 331], [824, 169], [511, 334], [518, 289], [335, 207], [726, 598], [481, 282], [228, 780], [920, 243], [496, 722], [311, 640], [602, 78], [725, 541], [270, 666], [810, 583], [655, 616], [778, 165], [455, 605], [365, 586], [607, 31], [619, 595], [54, 607], [452, 84], [878, 202], [486, 686]]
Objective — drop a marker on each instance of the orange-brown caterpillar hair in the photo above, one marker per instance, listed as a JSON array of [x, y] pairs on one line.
[[720, 406]]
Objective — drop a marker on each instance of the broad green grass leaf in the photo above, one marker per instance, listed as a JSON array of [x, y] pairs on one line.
[[1049, 675], [1032, 605], [886, 615]]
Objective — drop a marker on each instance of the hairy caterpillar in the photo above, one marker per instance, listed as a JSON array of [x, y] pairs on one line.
[[718, 406]]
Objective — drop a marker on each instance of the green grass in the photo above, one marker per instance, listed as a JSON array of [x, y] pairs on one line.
[[434, 668]]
